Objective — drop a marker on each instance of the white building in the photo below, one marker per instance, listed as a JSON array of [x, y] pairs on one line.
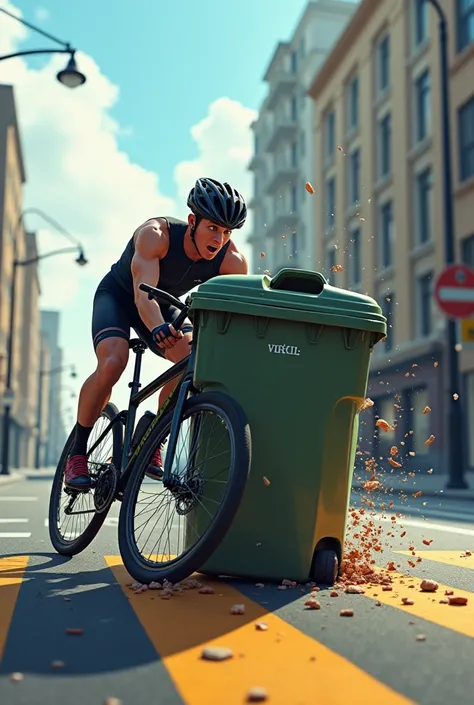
[[283, 211]]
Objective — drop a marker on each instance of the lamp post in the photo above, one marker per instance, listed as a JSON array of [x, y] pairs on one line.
[[44, 373], [70, 76], [8, 397], [456, 441]]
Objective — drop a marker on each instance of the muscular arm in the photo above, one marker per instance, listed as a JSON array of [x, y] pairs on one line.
[[234, 263], [151, 242]]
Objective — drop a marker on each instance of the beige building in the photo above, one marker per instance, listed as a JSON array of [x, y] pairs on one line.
[[44, 382], [26, 326], [379, 205]]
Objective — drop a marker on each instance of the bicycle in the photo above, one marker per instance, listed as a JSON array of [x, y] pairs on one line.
[[118, 477]]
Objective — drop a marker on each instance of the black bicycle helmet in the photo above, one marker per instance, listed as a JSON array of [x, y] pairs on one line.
[[218, 202]]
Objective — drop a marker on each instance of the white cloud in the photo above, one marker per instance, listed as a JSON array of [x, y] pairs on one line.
[[42, 14], [77, 174]]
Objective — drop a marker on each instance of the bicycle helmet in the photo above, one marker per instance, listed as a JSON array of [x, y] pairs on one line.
[[218, 202]]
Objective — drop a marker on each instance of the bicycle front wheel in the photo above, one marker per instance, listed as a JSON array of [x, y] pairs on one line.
[[200, 503]]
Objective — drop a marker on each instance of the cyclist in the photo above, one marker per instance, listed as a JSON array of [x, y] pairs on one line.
[[171, 254]]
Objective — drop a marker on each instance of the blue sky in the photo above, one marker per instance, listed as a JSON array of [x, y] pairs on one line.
[[170, 60], [172, 89]]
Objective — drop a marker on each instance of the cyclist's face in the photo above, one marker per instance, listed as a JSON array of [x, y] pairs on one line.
[[210, 238]]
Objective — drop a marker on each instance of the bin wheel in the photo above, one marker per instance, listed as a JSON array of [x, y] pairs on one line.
[[325, 567]]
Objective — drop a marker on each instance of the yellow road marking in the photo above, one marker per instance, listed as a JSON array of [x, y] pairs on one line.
[[11, 576], [457, 558], [280, 659], [427, 604]]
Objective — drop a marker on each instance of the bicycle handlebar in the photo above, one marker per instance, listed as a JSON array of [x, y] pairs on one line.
[[165, 297], [159, 295]]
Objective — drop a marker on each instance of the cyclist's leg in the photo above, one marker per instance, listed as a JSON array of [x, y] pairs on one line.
[[180, 350], [110, 334]]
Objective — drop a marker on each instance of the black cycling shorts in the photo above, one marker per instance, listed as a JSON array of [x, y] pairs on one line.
[[114, 313]]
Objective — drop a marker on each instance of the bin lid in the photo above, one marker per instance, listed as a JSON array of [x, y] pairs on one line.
[[292, 294]]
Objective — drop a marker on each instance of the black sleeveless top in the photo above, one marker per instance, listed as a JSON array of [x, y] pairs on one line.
[[178, 273]]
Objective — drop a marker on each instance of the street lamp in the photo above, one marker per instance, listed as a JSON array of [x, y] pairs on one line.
[[70, 76], [44, 373], [456, 441], [8, 396]]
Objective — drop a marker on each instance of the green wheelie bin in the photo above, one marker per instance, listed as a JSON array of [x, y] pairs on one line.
[[294, 352]]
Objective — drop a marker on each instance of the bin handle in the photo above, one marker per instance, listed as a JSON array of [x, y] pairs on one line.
[[303, 281]]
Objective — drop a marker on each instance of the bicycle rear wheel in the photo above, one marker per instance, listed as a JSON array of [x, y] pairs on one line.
[[104, 463], [187, 496]]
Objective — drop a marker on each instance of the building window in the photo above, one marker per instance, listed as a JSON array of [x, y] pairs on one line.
[[294, 243], [417, 401], [424, 190], [354, 177], [302, 144], [329, 136], [331, 262], [385, 409], [355, 258], [386, 234], [294, 62], [294, 199], [353, 104], [302, 47], [330, 201], [388, 307], [294, 154], [465, 23], [425, 304], [466, 139], [383, 64], [294, 108], [385, 139], [421, 21], [423, 105], [467, 251]]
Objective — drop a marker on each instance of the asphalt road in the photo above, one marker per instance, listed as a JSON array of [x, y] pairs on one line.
[[142, 649]]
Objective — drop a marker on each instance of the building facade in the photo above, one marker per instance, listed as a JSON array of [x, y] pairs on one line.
[[43, 420], [16, 244], [51, 376], [283, 217], [379, 208]]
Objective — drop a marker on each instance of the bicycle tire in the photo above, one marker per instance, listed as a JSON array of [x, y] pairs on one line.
[[72, 548], [195, 557]]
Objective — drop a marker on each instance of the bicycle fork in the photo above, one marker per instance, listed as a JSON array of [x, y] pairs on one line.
[[170, 480]]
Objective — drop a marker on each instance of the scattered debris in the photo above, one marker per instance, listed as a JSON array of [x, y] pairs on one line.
[[257, 695], [216, 653], [312, 604], [57, 664], [346, 613], [457, 600], [261, 626], [428, 586]]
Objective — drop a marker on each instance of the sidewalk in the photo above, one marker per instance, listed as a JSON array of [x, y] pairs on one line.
[[430, 485], [19, 474]]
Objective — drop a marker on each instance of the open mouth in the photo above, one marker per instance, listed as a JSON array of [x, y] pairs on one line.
[[211, 249]]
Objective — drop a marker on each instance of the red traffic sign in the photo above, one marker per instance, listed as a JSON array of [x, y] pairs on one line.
[[454, 291]]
